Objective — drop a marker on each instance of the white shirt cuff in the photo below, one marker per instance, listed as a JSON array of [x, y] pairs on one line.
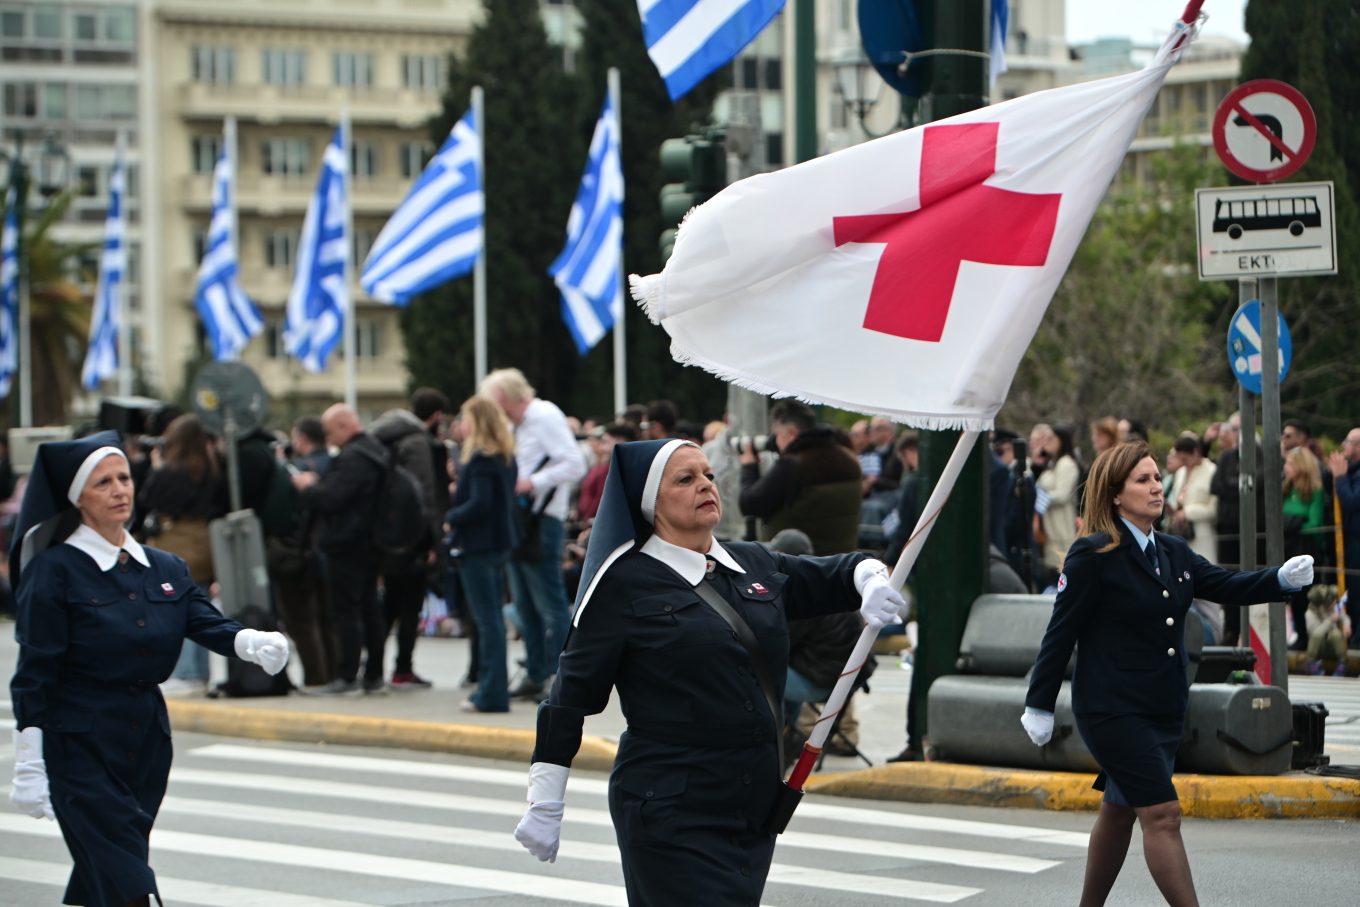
[[547, 782], [867, 568], [1033, 711], [1285, 585]]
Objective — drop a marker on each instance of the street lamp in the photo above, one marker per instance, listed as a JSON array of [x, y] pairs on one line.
[[53, 170]]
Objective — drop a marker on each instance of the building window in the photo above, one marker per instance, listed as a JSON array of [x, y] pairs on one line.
[[12, 24], [352, 70], [105, 102], [287, 157], [838, 115], [120, 25], [87, 181], [774, 74], [285, 67], [363, 244], [54, 101], [280, 248], [749, 69], [413, 158], [204, 150], [774, 149], [214, 65], [21, 100], [273, 339], [200, 244], [368, 337], [47, 24], [86, 26], [423, 72], [364, 160]]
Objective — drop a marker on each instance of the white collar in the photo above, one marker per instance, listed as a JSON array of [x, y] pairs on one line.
[[1138, 535], [104, 553], [688, 563]]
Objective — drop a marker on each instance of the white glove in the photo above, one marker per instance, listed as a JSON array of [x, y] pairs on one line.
[[268, 650], [541, 828], [30, 791], [1297, 572], [879, 601], [1038, 725]]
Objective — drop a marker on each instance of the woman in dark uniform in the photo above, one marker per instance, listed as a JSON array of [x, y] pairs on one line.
[[1123, 596], [101, 621], [697, 770]]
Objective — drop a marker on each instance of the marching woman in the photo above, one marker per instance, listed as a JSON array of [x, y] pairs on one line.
[[698, 769], [100, 624], [1123, 597]]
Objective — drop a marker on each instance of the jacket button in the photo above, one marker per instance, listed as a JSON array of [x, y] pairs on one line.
[[648, 794], [1171, 621], [749, 705], [132, 596], [746, 870], [745, 779], [742, 671], [734, 635], [665, 607], [1171, 651], [140, 622], [1165, 594], [134, 724]]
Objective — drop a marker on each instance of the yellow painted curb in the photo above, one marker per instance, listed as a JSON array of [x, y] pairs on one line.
[[1202, 796], [362, 730]]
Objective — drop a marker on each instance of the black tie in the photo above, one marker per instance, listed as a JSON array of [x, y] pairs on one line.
[[1151, 552]]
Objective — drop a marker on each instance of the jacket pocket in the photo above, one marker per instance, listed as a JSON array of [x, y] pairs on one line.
[[652, 799], [168, 593], [673, 620]]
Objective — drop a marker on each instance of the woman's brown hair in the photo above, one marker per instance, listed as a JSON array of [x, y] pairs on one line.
[[188, 446], [1107, 477], [1307, 477], [487, 430]]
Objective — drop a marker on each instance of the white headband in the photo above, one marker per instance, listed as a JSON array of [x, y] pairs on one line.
[[653, 484], [83, 473]]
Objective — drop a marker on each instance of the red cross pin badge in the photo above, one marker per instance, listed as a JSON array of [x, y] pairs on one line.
[[758, 587], [167, 588]]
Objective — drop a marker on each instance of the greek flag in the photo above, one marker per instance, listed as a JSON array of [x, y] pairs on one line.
[[436, 234], [1001, 16], [101, 357], [9, 296], [589, 269], [315, 320], [688, 39], [230, 319]]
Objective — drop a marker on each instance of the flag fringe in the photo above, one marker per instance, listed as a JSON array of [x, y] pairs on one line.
[[646, 292], [926, 421]]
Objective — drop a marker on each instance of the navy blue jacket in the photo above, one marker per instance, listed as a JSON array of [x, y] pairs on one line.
[[1128, 624], [483, 513], [1348, 490]]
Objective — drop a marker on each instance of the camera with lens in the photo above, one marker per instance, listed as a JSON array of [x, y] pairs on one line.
[[762, 443]]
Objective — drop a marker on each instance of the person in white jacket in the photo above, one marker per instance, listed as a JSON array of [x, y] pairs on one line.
[[1056, 507], [1192, 503]]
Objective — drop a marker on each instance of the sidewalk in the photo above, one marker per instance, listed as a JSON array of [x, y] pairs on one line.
[[431, 720]]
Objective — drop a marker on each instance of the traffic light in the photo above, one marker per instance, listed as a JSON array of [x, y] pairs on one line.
[[696, 167]]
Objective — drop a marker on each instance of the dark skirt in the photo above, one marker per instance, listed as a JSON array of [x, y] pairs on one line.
[[106, 790], [1136, 754], [688, 821]]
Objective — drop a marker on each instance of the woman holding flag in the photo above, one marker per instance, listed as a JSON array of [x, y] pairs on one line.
[[694, 636], [1122, 598]]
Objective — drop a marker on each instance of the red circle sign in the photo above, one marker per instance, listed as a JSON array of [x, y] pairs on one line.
[[1264, 130]]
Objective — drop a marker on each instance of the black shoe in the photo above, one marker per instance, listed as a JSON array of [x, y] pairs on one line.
[[907, 755], [375, 687], [527, 688]]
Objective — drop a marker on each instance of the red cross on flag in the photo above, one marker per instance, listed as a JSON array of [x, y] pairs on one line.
[[905, 276]]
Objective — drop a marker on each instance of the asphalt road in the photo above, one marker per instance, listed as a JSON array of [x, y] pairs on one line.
[[250, 824]]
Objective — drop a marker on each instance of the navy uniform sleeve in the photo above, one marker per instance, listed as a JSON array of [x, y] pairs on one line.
[[1228, 587], [42, 630], [1078, 599], [208, 627], [585, 674], [819, 585]]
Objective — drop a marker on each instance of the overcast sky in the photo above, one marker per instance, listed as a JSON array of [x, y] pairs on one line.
[[1146, 20]]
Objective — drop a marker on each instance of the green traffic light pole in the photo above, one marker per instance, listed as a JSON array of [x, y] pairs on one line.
[[952, 568]]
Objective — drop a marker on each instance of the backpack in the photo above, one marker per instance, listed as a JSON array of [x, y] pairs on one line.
[[246, 678], [399, 522]]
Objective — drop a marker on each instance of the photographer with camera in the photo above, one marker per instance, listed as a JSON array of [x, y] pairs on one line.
[[814, 486]]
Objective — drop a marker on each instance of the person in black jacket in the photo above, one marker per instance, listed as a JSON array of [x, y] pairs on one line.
[[344, 501], [483, 530], [1123, 597], [698, 769]]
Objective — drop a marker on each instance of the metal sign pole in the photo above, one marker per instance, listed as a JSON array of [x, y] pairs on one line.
[[620, 342], [479, 365], [1246, 477], [1270, 420]]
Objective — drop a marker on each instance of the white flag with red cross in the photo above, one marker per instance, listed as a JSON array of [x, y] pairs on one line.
[[906, 276]]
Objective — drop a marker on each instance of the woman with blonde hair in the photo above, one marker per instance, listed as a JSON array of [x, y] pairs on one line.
[[483, 532], [1122, 601], [1303, 511]]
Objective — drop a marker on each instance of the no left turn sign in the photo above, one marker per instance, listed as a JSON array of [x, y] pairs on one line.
[[1264, 130]]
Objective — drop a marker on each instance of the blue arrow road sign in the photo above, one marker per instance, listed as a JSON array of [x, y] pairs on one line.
[[1244, 346]]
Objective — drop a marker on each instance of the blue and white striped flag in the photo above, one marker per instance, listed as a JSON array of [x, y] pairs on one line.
[[436, 234], [688, 39], [589, 270], [9, 296], [230, 318], [101, 357], [315, 320], [1001, 16]]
